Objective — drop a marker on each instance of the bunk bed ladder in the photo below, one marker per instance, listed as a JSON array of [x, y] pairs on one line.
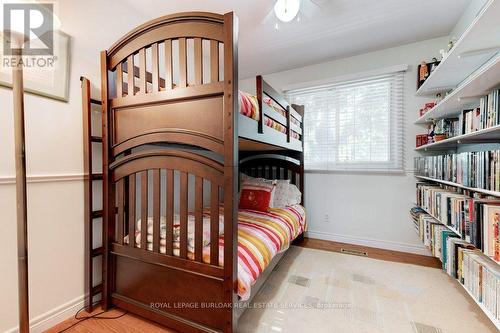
[[90, 215]]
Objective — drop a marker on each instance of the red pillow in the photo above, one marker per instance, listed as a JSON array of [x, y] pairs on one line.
[[256, 195]]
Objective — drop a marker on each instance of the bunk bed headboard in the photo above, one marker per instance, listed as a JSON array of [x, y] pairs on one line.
[[149, 98], [286, 165]]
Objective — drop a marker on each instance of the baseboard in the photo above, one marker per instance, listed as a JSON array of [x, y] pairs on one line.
[[53, 317], [369, 242]]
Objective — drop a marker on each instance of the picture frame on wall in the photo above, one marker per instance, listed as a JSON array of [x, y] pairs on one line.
[[43, 79]]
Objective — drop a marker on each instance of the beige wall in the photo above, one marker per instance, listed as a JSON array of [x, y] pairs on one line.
[[55, 211]]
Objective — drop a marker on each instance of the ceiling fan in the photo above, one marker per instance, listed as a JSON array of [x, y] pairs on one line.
[[286, 11]]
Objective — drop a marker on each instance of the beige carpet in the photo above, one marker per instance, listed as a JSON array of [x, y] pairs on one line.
[[318, 291]]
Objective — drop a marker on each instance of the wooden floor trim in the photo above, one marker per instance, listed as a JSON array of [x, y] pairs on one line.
[[373, 253]]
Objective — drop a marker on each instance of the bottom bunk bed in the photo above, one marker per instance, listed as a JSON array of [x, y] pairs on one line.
[[261, 236]]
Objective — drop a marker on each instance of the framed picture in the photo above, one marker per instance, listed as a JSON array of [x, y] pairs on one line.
[[49, 76]]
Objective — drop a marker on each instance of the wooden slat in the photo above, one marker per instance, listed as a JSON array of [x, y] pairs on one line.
[[97, 251], [182, 63], [156, 210], [288, 124], [130, 76], [170, 261], [119, 81], [198, 218], [168, 64], [214, 225], [121, 209], [144, 209], [131, 210], [142, 71], [170, 211], [198, 62], [183, 213], [155, 69], [96, 176], [97, 214], [214, 61]]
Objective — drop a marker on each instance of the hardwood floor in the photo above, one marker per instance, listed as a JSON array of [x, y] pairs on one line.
[[129, 323], [374, 253]]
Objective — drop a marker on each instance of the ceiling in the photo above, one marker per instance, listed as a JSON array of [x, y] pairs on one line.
[[328, 29]]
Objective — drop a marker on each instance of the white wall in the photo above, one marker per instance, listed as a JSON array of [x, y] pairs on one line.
[[368, 209], [55, 208]]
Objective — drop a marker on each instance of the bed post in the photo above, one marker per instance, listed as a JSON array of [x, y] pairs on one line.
[[230, 167], [107, 191], [258, 91], [300, 110]]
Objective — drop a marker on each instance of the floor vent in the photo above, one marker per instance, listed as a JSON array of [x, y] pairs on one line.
[[354, 252], [423, 328]]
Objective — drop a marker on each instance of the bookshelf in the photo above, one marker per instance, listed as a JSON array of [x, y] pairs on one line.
[[434, 217], [475, 47], [474, 189], [470, 70], [488, 314], [466, 94], [482, 307], [491, 134]]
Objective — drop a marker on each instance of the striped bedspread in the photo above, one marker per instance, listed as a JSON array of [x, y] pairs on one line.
[[261, 236]]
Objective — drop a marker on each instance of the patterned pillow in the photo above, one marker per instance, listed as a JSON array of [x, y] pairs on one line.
[[256, 194], [286, 194]]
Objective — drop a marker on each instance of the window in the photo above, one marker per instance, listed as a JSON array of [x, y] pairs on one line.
[[354, 126]]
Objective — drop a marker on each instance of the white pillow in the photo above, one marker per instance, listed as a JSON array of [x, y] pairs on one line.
[[285, 194]]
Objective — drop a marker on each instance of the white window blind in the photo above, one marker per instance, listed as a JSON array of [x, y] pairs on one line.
[[354, 126]]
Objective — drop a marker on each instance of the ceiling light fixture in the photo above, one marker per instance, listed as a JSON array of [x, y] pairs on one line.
[[286, 10]]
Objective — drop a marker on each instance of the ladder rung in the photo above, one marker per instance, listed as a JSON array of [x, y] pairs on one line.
[[95, 139], [97, 251], [96, 176], [95, 101], [96, 289], [96, 214]]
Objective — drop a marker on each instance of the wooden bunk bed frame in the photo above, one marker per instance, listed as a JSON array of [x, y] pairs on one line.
[[144, 110]]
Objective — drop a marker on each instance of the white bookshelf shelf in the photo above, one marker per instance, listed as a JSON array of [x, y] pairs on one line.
[[481, 306], [438, 220], [467, 94], [491, 134], [471, 70], [476, 46], [488, 314], [474, 189]]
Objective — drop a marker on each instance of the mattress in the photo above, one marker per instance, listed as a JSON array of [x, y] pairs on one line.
[[249, 107], [261, 235]]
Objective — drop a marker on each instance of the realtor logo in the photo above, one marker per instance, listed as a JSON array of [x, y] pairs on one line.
[[35, 21]]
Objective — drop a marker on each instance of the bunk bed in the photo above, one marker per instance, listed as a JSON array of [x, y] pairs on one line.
[[173, 149]]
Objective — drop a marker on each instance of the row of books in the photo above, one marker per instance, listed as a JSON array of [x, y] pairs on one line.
[[479, 169], [486, 115], [462, 261], [474, 219]]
